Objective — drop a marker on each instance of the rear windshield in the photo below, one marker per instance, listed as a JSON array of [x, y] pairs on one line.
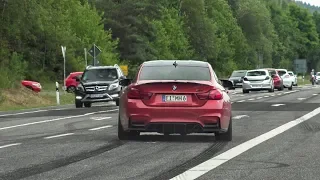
[[290, 73], [281, 73], [192, 73], [238, 73], [318, 74], [256, 73]]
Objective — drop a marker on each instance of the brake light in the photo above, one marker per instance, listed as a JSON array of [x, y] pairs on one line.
[[134, 93], [214, 94]]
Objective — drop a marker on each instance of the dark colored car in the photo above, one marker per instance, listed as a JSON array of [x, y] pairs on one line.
[[277, 80], [237, 78], [175, 97], [98, 84]]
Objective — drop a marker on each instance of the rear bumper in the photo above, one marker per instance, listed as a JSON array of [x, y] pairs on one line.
[[205, 119], [287, 83], [256, 86]]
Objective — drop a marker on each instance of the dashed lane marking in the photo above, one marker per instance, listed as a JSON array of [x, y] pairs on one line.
[[9, 145], [59, 135], [240, 116], [98, 128], [276, 105], [241, 101], [100, 118], [57, 119], [301, 98]]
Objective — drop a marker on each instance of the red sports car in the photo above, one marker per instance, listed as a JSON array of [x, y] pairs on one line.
[[172, 97], [34, 86]]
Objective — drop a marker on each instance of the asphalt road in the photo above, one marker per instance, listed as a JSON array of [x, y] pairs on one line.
[[275, 137]]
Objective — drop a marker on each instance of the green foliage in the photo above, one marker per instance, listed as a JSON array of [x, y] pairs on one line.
[[229, 34]]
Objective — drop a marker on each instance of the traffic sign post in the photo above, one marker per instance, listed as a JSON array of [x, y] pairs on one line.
[[94, 52], [63, 48]]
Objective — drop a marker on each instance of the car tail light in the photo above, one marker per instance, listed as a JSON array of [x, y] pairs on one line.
[[214, 94], [267, 78], [134, 93]]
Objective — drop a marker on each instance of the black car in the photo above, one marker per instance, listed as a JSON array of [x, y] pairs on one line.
[[237, 77], [98, 84]]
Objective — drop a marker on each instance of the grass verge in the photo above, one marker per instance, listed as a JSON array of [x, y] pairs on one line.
[[23, 98]]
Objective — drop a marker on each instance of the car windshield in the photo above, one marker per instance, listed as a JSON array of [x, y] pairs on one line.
[[256, 73], [281, 73], [318, 74], [192, 73], [238, 73], [100, 75], [290, 73]]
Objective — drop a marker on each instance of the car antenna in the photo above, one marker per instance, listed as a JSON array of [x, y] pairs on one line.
[[175, 64]]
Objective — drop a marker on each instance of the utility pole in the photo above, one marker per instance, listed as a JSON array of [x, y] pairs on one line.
[[85, 57], [4, 7]]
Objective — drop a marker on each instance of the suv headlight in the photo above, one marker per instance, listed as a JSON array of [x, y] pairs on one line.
[[113, 86]]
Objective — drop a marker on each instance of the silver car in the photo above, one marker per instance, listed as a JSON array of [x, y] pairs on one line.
[[257, 80]]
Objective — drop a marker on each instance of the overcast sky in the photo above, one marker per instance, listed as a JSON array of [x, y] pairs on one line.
[[313, 2]]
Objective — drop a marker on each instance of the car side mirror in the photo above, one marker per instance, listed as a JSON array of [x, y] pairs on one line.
[[226, 83], [122, 77], [125, 82]]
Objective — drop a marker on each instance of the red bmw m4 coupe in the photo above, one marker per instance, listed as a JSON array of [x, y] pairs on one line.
[[175, 97]]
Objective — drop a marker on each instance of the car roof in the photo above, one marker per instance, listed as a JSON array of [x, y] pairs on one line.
[[179, 62], [270, 68], [101, 67], [282, 70], [258, 70]]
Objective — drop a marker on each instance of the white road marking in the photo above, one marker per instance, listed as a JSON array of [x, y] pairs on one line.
[[29, 112], [240, 116], [241, 101], [57, 119], [60, 135], [259, 97], [98, 128], [279, 94], [250, 99], [266, 96], [216, 161], [100, 118], [272, 95], [301, 98], [9, 145], [276, 105], [315, 94]]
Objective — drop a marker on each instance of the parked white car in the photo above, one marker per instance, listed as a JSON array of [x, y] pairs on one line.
[[257, 80], [288, 81], [294, 77], [318, 78]]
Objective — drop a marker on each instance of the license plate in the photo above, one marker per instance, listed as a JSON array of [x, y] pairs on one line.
[[96, 95], [256, 85], [174, 98]]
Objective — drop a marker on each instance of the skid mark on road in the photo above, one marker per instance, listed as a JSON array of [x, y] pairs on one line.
[[45, 167]]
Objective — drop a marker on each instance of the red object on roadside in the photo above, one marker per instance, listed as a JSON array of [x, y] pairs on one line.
[[33, 85]]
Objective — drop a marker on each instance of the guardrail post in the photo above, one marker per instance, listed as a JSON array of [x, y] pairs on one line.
[[57, 93]]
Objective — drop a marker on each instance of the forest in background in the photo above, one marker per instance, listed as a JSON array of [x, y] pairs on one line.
[[229, 34]]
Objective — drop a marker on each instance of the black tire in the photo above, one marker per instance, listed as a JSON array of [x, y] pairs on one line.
[[71, 89], [87, 105], [117, 102], [78, 104], [245, 91], [123, 135], [227, 136], [281, 88], [290, 88]]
